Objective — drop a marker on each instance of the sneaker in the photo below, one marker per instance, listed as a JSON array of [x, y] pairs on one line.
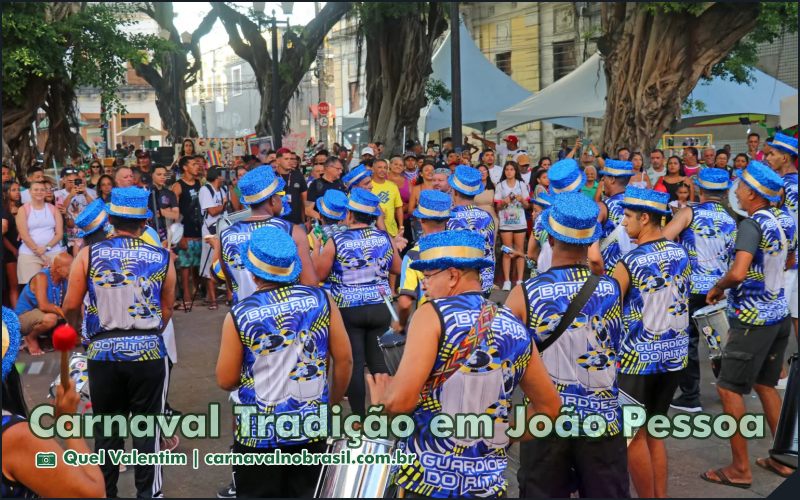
[[506, 286], [171, 412], [228, 491], [170, 443], [689, 406], [519, 282]]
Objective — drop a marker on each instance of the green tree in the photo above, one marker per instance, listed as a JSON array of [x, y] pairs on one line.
[[299, 51], [49, 50], [400, 41], [169, 71], [655, 53]]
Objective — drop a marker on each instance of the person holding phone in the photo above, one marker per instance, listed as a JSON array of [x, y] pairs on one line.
[[71, 201]]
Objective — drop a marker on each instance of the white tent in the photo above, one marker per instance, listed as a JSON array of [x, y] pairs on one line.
[[582, 93], [789, 111]]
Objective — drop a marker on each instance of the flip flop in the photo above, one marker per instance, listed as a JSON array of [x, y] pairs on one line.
[[766, 464], [723, 479]]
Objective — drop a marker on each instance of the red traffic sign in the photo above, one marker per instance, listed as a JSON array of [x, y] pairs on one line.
[[324, 108]]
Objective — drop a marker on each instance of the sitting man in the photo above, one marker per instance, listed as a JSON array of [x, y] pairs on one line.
[[39, 305]]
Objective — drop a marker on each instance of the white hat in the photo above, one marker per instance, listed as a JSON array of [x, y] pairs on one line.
[[367, 151]]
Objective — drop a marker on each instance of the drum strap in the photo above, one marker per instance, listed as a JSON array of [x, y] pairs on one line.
[[572, 311], [480, 331]]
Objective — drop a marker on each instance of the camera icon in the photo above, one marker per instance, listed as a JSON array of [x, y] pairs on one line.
[[46, 460]]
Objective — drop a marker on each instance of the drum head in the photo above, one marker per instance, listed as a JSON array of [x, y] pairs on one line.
[[734, 201], [705, 311]]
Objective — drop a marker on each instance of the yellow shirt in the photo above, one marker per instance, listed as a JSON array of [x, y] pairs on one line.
[[411, 280], [389, 195]]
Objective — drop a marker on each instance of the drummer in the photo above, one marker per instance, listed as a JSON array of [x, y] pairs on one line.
[[433, 212], [654, 279], [707, 232], [463, 355], [758, 314], [275, 348], [259, 189], [615, 242]]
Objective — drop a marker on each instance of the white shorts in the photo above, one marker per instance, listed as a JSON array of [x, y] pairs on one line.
[[206, 259], [790, 290]]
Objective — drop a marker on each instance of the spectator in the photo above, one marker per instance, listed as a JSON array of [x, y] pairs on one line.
[[541, 182], [590, 187], [71, 201], [753, 153], [640, 177], [524, 163], [544, 162], [95, 171], [296, 188], [391, 202], [236, 195], [11, 204], [39, 306], [440, 177], [485, 200], [35, 174], [108, 167], [330, 179], [674, 178], [213, 198], [690, 162], [7, 177], [187, 191], [623, 154], [104, 186], [123, 177], [453, 157], [495, 171], [709, 154], [410, 164], [563, 150], [163, 203], [681, 198], [721, 160], [512, 198], [424, 182], [657, 167], [40, 230], [144, 162]]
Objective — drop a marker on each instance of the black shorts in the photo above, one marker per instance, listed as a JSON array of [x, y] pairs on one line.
[[555, 467], [514, 231], [653, 391], [753, 355], [276, 481]]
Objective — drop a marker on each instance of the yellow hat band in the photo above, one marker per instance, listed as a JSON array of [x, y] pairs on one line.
[[617, 171], [335, 213], [361, 207], [748, 177], [713, 185], [269, 268], [461, 185], [787, 146], [570, 232], [646, 203], [127, 210], [100, 219], [462, 252], [572, 187], [254, 198], [441, 214]]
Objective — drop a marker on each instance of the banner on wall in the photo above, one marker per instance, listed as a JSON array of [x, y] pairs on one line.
[[217, 150], [259, 145]]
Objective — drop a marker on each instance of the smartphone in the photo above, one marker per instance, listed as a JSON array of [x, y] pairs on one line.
[[78, 181], [587, 142], [507, 249]]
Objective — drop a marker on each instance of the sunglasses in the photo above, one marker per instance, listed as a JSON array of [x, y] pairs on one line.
[[319, 163]]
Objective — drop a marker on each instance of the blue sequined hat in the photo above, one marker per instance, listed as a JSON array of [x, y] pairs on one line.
[[466, 180], [355, 176], [433, 205], [259, 184], [364, 201], [92, 218], [11, 340], [458, 248], [543, 199], [130, 203], [763, 180], [333, 204], [572, 219], [618, 168], [565, 176], [646, 200], [286, 207], [785, 143], [272, 255], [713, 179]]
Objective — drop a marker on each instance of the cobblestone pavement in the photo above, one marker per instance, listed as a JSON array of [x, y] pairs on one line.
[[194, 386]]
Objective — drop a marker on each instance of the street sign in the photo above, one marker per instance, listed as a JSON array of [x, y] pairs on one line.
[[324, 108], [323, 121]]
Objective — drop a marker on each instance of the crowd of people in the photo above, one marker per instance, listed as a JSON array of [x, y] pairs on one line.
[[605, 260]]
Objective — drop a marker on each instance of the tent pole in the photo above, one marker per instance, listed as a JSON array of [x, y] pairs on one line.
[[455, 74]]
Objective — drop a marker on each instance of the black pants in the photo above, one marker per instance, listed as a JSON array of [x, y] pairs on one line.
[[277, 481], [364, 325], [690, 380], [554, 467], [123, 388]]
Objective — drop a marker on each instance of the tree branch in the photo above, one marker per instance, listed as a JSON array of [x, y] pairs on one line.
[[194, 45], [231, 20]]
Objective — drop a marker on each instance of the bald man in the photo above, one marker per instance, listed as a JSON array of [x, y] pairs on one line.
[[123, 177], [37, 314]]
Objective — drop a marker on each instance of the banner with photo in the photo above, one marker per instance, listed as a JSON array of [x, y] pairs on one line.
[[259, 145], [217, 150]]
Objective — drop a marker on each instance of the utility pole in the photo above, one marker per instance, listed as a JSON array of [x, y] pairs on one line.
[[277, 121], [322, 134], [455, 74]]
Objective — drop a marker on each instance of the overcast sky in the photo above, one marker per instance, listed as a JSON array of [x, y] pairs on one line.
[[191, 13]]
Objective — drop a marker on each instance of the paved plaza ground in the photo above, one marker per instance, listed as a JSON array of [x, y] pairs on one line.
[[194, 386]]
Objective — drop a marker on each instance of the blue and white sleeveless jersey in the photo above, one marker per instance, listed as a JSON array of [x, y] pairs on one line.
[[709, 240], [478, 220]]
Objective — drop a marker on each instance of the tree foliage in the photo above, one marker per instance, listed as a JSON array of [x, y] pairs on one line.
[[49, 50], [655, 53], [298, 52]]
